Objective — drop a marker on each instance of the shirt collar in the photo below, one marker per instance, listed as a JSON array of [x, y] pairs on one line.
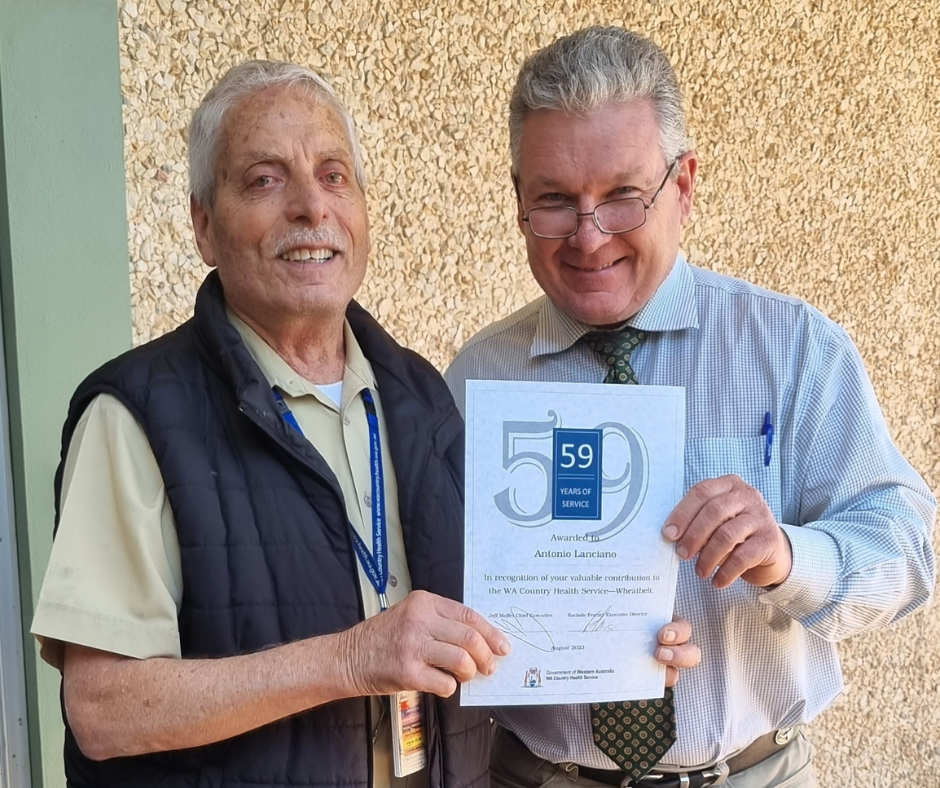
[[356, 376], [671, 308]]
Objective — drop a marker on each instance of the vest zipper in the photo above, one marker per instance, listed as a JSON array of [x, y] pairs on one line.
[[259, 419]]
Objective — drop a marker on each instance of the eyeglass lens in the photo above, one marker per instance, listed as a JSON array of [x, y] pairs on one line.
[[618, 216]]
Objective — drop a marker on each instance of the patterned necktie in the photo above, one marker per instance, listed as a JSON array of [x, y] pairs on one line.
[[633, 734]]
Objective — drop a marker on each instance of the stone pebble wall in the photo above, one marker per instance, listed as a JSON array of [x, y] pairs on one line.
[[817, 129]]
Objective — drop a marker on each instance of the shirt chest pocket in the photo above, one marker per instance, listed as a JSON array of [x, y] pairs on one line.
[[709, 458]]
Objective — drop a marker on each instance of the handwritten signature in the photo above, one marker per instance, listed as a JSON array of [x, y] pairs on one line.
[[598, 623], [514, 626]]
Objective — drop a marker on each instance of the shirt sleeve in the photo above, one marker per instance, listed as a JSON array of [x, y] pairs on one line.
[[862, 558], [114, 576]]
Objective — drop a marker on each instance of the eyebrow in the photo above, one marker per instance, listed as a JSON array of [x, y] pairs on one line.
[[251, 158], [631, 175], [339, 154], [540, 184]]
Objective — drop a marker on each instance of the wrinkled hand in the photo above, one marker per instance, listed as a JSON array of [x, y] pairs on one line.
[[728, 525], [426, 642], [675, 651]]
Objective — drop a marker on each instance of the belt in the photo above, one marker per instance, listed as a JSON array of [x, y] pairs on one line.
[[761, 749]]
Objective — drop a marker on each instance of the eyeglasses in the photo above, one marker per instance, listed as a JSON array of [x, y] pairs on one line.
[[612, 217]]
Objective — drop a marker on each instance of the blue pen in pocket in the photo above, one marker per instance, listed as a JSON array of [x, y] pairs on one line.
[[768, 432]]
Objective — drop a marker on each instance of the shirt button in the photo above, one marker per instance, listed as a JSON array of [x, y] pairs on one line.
[[367, 499], [346, 420], [392, 581]]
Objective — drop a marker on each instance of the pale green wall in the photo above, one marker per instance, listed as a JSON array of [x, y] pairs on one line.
[[63, 269]]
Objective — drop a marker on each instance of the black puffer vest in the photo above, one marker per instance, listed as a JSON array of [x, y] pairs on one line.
[[266, 550]]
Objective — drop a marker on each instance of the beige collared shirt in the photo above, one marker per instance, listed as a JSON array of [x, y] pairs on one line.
[[114, 576]]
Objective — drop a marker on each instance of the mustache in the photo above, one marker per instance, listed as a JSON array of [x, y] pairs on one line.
[[321, 236]]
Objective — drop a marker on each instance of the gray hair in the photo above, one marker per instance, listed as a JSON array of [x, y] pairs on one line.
[[239, 82], [587, 70]]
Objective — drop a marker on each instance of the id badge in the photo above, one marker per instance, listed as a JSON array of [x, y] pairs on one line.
[[408, 736]]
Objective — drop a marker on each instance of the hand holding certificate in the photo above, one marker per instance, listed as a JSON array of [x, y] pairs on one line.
[[568, 486]]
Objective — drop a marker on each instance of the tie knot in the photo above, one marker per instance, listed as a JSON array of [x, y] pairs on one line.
[[615, 348]]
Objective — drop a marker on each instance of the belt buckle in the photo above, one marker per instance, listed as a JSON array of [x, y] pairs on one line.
[[700, 778]]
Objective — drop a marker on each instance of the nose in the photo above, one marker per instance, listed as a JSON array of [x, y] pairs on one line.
[[306, 203], [589, 238]]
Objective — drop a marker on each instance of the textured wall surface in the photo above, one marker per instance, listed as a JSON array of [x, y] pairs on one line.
[[817, 129]]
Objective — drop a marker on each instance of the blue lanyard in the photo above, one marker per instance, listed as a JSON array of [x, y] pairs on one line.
[[376, 567]]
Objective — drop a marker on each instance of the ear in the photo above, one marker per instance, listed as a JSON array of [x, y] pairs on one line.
[[688, 166], [519, 212], [202, 231]]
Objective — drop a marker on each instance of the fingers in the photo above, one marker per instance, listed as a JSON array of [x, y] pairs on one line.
[[426, 643], [688, 655], [676, 652], [450, 659], [705, 508], [460, 644], [754, 552], [679, 630], [672, 676], [495, 640], [475, 653], [436, 682], [729, 526], [679, 520], [725, 541]]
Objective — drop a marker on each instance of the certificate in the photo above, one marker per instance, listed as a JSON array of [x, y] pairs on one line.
[[568, 488]]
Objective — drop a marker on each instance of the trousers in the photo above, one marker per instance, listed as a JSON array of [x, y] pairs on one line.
[[791, 767]]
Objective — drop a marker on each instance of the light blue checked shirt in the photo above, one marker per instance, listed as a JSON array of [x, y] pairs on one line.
[[857, 515]]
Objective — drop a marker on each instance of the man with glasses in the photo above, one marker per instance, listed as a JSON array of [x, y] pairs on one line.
[[801, 524]]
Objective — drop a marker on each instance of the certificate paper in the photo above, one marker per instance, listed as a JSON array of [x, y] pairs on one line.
[[568, 488]]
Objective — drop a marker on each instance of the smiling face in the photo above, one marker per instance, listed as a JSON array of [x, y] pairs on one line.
[[288, 229], [582, 161]]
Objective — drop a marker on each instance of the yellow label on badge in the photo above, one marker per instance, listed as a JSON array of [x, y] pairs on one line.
[[408, 737]]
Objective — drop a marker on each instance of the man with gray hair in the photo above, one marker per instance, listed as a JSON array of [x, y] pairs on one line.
[[801, 523], [259, 515]]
